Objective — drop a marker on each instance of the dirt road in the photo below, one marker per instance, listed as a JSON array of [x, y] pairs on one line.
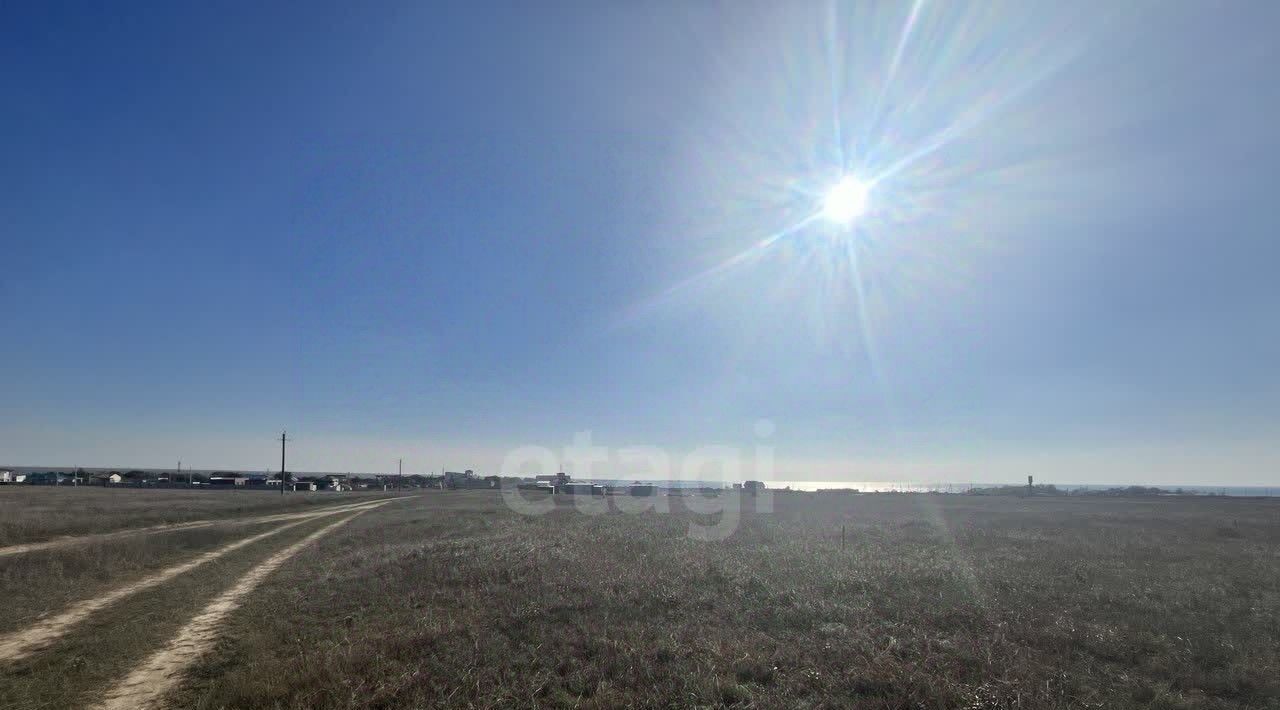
[[146, 686], [18, 645], [173, 527]]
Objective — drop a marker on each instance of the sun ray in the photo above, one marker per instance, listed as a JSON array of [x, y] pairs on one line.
[[737, 260], [892, 72]]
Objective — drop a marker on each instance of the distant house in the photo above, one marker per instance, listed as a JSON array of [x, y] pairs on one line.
[[581, 489], [227, 478], [49, 478], [7, 476], [555, 479], [466, 479], [107, 478]]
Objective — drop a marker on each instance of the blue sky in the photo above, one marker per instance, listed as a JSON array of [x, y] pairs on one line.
[[442, 231]]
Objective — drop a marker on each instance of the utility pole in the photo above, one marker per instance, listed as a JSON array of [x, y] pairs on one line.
[[400, 474], [284, 436]]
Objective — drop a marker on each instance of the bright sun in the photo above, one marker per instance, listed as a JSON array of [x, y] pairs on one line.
[[845, 201]]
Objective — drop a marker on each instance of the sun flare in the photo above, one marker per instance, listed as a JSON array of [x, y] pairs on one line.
[[846, 201]]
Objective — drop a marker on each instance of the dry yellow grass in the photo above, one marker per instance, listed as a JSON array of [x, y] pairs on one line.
[[452, 599], [38, 513], [934, 601]]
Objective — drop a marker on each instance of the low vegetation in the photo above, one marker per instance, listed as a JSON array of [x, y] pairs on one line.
[[36, 584], [451, 598], [929, 601], [93, 656], [37, 513]]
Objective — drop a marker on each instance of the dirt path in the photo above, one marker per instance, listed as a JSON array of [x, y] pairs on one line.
[[173, 527], [21, 644], [146, 685]]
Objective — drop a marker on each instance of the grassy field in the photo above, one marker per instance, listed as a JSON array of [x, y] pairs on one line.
[[452, 599], [31, 513]]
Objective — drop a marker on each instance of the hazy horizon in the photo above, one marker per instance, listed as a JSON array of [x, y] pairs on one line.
[[437, 233], [1168, 467]]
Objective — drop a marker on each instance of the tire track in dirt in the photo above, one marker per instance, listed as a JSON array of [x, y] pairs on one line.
[[161, 673], [18, 645], [174, 527]]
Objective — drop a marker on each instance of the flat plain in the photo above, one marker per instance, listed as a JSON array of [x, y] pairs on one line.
[[454, 598]]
